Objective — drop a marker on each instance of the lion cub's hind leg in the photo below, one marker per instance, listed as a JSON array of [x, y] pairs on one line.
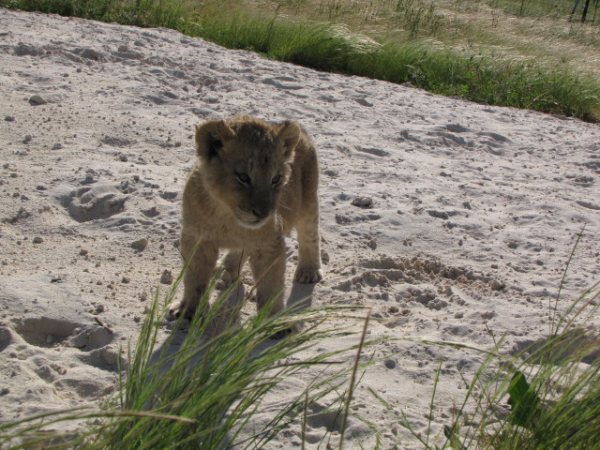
[[232, 266], [268, 269], [227, 312]]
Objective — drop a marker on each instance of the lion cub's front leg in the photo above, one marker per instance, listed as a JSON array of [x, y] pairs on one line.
[[309, 245], [200, 257]]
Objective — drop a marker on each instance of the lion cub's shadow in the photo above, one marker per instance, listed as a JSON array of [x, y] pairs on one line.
[[300, 297]]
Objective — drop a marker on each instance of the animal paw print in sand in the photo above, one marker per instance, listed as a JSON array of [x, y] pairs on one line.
[[420, 279], [46, 347], [97, 201], [49, 332]]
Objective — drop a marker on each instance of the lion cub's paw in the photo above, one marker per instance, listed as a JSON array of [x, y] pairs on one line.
[[294, 328], [177, 309], [308, 275], [281, 334], [226, 281]]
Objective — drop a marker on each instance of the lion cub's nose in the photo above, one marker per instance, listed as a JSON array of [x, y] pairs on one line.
[[260, 213]]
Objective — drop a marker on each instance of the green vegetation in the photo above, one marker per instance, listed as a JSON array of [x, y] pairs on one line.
[[545, 395], [196, 390], [542, 397], [202, 392], [450, 52], [553, 399]]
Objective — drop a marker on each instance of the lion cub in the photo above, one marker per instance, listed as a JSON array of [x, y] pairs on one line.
[[254, 182]]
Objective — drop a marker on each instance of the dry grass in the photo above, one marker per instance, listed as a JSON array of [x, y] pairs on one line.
[[458, 48], [473, 27], [546, 40]]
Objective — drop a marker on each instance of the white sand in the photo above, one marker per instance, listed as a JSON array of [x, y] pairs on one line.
[[495, 196]]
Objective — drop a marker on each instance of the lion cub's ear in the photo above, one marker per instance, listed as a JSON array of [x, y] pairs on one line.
[[289, 133], [210, 137]]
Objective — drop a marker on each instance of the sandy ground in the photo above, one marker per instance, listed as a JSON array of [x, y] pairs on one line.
[[469, 213]]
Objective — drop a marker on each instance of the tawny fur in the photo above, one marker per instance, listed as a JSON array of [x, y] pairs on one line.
[[254, 182]]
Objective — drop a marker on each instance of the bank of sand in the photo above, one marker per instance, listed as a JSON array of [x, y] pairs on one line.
[[472, 212]]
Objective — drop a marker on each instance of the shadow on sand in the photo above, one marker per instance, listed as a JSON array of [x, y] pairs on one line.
[[299, 299]]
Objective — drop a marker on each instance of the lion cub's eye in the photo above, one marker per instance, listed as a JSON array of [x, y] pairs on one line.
[[276, 179], [242, 178]]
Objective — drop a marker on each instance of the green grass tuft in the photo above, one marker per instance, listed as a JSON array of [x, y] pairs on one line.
[[545, 396], [203, 391], [332, 47]]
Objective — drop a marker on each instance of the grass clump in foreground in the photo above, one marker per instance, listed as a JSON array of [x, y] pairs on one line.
[[545, 396], [204, 392], [332, 47], [208, 392], [552, 387]]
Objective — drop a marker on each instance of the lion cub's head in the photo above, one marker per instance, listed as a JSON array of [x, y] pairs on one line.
[[245, 163]]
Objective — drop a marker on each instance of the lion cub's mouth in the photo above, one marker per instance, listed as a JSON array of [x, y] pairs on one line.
[[250, 221]]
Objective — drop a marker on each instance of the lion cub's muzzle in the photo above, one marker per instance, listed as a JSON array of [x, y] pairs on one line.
[[261, 212], [253, 220], [258, 210]]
